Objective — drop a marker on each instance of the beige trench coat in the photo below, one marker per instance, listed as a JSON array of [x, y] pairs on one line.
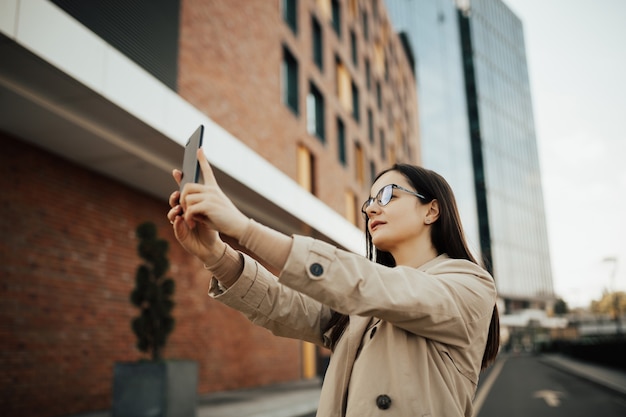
[[416, 336]]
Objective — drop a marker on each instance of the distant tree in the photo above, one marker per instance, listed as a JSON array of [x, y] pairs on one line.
[[560, 307], [611, 303], [153, 293]]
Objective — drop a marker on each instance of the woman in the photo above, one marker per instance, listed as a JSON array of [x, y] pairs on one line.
[[409, 332]]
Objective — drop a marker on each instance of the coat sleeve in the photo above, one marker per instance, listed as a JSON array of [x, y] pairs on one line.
[[447, 301], [267, 303]]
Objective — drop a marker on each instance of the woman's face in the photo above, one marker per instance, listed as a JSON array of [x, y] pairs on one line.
[[402, 220]]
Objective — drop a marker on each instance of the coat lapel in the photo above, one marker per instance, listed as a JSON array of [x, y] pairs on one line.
[[355, 332]]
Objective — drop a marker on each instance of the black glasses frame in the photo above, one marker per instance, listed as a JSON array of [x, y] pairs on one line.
[[383, 197]]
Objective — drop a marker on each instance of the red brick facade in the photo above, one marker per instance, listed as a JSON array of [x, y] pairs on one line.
[[68, 262], [68, 256], [230, 68]]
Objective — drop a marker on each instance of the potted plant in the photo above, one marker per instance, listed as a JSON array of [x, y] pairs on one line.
[[154, 387]]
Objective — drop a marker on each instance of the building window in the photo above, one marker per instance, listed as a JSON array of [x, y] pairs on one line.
[[336, 16], [351, 208], [368, 75], [354, 46], [386, 64], [147, 32], [324, 7], [315, 113], [372, 172], [400, 141], [306, 169], [359, 165], [341, 142], [379, 59], [290, 14], [344, 86], [379, 96], [355, 102], [366, 31], [370, 125], [383, 145], [290, 80], [354, 8], [392, 155], [318, 48]]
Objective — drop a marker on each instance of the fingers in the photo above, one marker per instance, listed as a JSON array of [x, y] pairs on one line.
[[174, 213], [178, 176], [174, 198], [195, 210], [207, 171]]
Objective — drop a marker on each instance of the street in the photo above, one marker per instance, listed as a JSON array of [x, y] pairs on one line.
[[524, 386]]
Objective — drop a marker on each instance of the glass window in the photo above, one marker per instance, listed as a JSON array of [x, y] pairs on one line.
[[354, 8], [318, 48], [354, 46], [344, 85], [290, 14], [379, 59], [336, 16], [372, 172], [355, 102], [315, 113], [366, 30], [324, 7], [306, 169], [359, 164], [341, 142], [392, 155], [370, 125], [289, 77], [351, 208], [386, 65]]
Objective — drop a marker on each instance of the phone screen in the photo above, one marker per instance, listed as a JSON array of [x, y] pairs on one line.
[[191, 167]]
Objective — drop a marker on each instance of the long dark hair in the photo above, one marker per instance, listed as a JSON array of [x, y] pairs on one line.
[[447, 237]]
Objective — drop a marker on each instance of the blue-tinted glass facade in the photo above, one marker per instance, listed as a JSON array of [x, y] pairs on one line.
[[502, 132], [432, 29], [480, 136]]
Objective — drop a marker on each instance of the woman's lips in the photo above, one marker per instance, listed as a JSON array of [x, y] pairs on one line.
[[374, 225]]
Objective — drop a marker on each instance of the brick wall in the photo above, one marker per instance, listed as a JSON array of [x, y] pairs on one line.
[[230, 68], [67, 266]]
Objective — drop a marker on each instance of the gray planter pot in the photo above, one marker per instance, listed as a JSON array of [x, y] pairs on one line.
[[155, 389]]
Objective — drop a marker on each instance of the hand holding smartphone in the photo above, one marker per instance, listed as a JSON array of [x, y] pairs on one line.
[[191, 166]]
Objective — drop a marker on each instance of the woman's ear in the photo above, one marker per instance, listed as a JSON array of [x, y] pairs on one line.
[[433, 212]]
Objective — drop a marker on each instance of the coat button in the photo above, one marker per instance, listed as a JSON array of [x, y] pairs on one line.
[[383, 402], [316, 269]]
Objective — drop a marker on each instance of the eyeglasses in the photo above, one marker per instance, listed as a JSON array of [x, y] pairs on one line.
[[384, 197]]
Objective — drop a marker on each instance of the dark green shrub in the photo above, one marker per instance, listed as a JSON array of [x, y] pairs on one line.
[[153, 293]]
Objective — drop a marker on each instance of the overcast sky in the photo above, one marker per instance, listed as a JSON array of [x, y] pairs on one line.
[[576, 52]]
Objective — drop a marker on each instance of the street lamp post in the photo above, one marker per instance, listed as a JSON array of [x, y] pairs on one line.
[[615, 298]]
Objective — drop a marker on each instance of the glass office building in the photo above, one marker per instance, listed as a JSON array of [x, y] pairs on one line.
[[504, 146], [477, 130], [432, 29]]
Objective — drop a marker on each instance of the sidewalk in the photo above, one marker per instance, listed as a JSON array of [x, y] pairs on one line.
[[613, 379], [293, 399]]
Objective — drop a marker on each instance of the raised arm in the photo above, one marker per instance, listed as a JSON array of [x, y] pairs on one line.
[[202, 210]]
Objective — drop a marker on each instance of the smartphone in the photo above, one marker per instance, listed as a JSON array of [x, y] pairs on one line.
[[191, 166]]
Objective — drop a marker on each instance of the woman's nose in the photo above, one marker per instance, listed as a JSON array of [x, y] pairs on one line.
[[372, 209]]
